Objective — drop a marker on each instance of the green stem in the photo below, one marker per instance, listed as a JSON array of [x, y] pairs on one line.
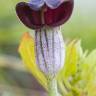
[[52, 88]]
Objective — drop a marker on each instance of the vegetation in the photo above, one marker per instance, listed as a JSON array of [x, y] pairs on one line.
[[77, 77]]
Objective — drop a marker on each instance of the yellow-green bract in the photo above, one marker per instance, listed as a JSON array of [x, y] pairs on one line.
[[78, 77]]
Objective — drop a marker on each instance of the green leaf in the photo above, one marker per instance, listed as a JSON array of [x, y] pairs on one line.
[[27, 52], [70, 67], [89, 73]]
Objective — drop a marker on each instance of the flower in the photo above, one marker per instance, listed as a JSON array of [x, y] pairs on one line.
[[46, 16], [50, 51], [56, 12]]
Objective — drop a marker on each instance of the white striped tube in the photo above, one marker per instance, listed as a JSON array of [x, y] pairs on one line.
[[50, 50]]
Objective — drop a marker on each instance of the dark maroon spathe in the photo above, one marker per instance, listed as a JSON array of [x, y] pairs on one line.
[[52, 17]]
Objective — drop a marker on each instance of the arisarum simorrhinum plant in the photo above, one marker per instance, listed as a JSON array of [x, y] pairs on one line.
[[45, 17]]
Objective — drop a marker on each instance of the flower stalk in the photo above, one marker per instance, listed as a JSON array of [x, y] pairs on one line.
[[52, 88]]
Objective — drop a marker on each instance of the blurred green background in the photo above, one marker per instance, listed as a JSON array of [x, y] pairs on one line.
[[82, 25]]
